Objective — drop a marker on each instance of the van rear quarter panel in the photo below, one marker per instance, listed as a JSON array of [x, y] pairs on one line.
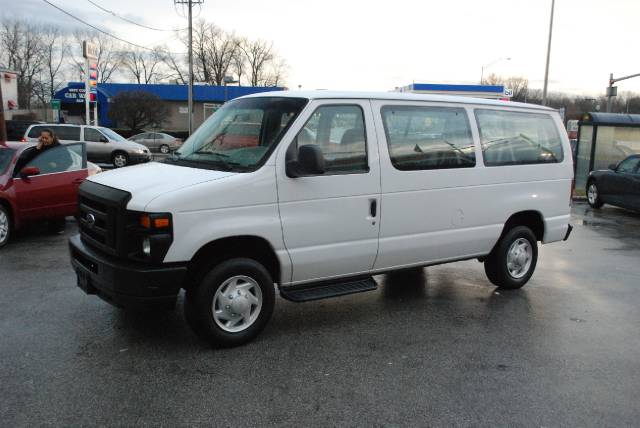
[[444, 214]]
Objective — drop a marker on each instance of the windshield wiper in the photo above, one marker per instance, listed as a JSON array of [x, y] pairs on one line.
[[202, 152]]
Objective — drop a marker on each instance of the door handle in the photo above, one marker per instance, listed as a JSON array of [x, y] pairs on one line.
[[78, 181], [373, 207]]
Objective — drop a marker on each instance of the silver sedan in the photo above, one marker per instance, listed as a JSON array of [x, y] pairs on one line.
[[157, 141]]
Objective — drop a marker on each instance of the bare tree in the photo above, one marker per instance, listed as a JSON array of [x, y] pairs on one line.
[[214, 52], [55, 51], [518, 84], [277, 72], [175, 67], [145, 66], [238, 64], [21, 48], [223, 49], [258, 55], [200, 51]]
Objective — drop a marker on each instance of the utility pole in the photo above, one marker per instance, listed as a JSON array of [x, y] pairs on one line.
[[546, 70], [189, 4]]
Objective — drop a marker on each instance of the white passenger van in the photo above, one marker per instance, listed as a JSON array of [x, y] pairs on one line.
[[316, 192]]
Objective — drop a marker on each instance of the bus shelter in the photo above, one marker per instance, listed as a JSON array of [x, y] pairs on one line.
[[604, 139]]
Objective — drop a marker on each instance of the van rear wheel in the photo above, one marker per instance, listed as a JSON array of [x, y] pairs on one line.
[[513, 260], [232, 303]]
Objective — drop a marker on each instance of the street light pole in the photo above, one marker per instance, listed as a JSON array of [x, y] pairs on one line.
[[490, 64], [546, 69], [612, 91]]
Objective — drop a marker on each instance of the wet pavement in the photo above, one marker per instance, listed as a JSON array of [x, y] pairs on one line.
[[430, 348]]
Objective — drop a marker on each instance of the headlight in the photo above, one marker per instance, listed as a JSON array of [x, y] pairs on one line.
[[146, 247], [140, 151], [154, 236]]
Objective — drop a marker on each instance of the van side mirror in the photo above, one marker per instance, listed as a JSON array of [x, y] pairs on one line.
[[104, 140], [310, 162], [28, 171], [613, 167]]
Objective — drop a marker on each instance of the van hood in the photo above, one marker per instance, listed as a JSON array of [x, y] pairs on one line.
[[145, 182]]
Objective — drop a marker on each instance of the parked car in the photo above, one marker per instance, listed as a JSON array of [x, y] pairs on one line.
[[619, 185], [329, 190], [16, 129], [35, 187], [103, 144], [157, 141]]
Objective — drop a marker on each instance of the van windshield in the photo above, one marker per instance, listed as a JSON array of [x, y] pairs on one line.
[[240, 135]]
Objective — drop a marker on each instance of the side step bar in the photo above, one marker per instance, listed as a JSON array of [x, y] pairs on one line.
[[317, 291]]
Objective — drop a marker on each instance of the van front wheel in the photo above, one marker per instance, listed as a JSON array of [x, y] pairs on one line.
[[513, 260], [233, 302]]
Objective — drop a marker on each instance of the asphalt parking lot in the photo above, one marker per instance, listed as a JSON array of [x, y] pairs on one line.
[[436, 348]]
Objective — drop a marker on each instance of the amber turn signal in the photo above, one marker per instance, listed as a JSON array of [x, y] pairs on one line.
[[161, 223], [145, 221], [149, 222]]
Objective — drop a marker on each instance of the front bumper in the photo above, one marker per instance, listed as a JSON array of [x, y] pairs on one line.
[[139, 158], [124, 283]]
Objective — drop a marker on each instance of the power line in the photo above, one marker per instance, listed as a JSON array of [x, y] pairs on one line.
[[130, 21], [105, 32]]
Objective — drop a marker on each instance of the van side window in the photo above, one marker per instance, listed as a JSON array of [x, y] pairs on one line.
[[515, 138], [35, 131], [92, 135], [428, 137], [67, 132], [339, 131]]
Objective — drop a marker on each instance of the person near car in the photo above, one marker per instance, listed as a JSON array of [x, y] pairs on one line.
[[60, 160]]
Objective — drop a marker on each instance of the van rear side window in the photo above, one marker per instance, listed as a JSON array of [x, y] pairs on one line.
[[35, 131], [428, 137], [515, 138], [62, 132]]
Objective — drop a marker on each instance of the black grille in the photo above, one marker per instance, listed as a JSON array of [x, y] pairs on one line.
[[103, 218]]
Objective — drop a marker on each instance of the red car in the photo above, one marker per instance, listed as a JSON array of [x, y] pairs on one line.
[[38, 186]]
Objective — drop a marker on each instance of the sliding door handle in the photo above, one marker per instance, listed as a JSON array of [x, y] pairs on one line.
[[373, 207]]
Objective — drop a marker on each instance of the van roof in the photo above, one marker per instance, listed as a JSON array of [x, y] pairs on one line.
[[396, 96]]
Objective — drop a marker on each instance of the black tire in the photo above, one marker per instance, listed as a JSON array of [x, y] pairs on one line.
[[593, 198], [164, 149], [496, 266], [119, 159], [6, 225], [56, 225], [200, 301]]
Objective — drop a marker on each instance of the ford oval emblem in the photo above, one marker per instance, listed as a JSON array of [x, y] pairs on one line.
[[91, 220]]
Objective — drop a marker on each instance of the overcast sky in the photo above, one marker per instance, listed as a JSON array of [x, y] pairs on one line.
[[378, 45]]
